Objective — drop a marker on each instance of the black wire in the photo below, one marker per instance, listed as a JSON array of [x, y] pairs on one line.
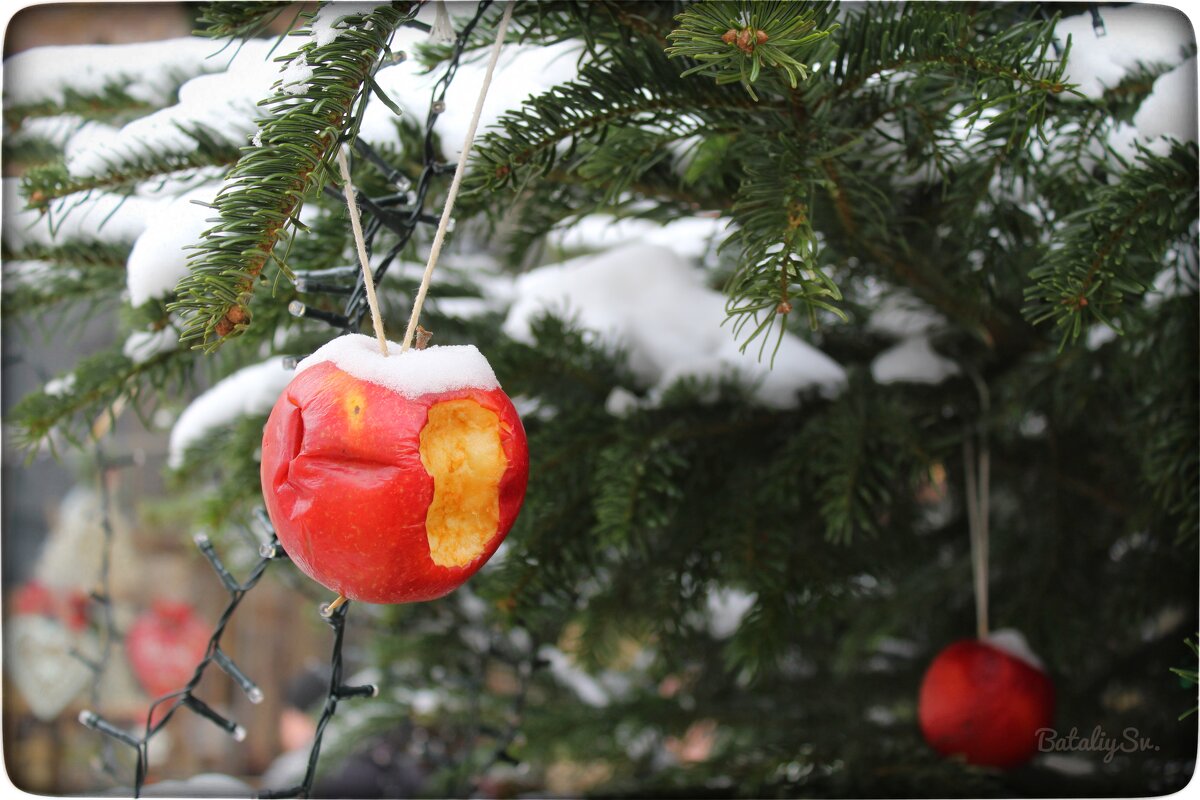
[[402, 225]]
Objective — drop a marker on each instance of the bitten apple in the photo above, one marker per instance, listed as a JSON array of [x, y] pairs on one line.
[[986, 700], [393, 479]]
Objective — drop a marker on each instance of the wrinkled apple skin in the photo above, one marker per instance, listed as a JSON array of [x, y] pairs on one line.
[[347, 492], [987, 705]]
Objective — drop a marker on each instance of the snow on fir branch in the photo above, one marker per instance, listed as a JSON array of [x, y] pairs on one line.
[[296, 140], [102, 80]]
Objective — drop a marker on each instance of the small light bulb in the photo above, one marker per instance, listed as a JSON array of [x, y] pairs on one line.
[[201, 539], [296, 308], [87, 718], [239, 734], [255, 695], [266, 550], [439, 106]]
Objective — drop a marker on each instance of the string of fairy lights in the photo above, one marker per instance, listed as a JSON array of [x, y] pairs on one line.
[[401, 213]]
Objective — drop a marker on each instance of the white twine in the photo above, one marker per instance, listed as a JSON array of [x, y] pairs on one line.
[[978, 501], [436, 249], [361, 245]]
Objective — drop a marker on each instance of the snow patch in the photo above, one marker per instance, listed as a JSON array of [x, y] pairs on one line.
[[587, 688], [912, 360], [99, 218], [650, 302], [158, 260], [1012, 642], [690, 237], [538, 67], [1137, 33], [293, 79], [324, 25], [224, 105], [141, 346], [726, 610], [251, 390], [621, 402], [146, 71], [60, 386], [900, 314], [417, 372], [1170, 110]]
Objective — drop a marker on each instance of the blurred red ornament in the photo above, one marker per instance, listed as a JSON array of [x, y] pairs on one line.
[[165, 645], [44, 635], [33, 597], [986, 702]]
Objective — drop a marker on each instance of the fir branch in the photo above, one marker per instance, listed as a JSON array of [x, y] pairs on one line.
[[96, 253], [605, 96], [601, 24], [1006, 67], [45, 184], [734, 41], [29, 151], [42, 284], [862, 458], [779, 261], [1096, 261], [110, 103], [99, 383], [265, 190], [220, 20]]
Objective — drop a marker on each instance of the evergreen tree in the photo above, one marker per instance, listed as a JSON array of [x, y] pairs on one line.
[[722, 582]]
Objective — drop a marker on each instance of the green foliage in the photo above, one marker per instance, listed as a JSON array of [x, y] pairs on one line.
[[936, 153], [205, 149], [1190, 677], [111, 103], [46, 276], [1099, 257], [733, 41], [297, 143], [237, 19], [99, 382], [961, 69]]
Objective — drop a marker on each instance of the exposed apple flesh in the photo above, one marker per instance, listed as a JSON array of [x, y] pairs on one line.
[[461, 450], [393, 488]]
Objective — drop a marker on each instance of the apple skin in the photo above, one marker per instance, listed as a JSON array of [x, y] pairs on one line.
[[347, 492], [984, 703]]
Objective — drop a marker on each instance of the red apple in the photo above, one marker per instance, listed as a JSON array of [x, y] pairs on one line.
[[393, 479], [165, 645], [986, 703]]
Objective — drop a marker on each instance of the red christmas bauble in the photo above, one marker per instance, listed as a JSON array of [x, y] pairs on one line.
[[165, 645], [393, 479], [985, 702]]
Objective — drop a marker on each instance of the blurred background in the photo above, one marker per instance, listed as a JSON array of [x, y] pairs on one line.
[[48, 500]]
